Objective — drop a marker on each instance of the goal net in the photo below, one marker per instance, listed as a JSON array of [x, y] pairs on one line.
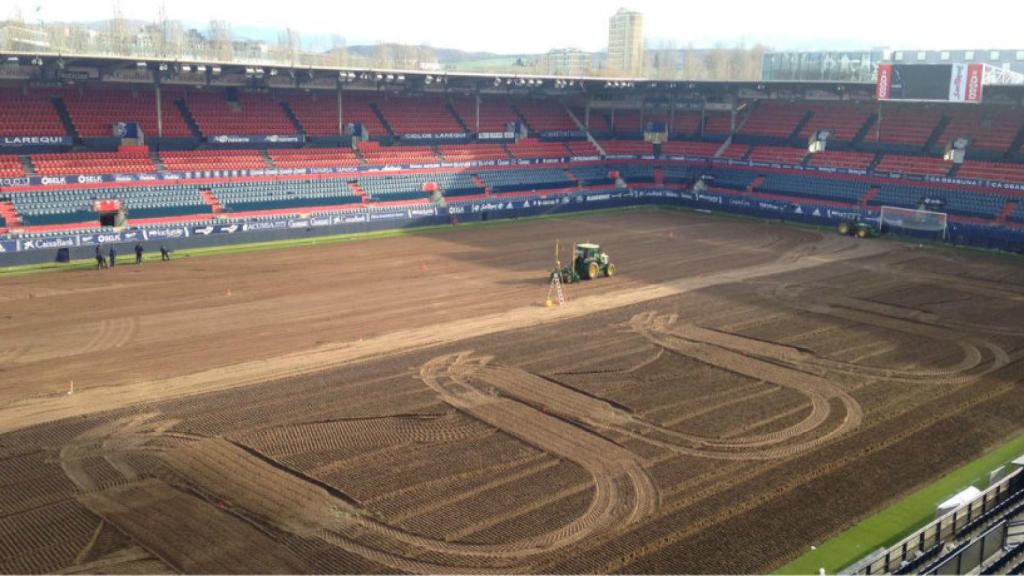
[[895, 219]]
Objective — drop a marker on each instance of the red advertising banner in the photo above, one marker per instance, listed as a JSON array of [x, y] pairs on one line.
[[884, 87], [975, 80]]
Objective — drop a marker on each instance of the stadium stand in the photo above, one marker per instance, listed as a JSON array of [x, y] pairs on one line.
[[11, 167], [702, 149], [357, 108], [599, 124], [471, 152], [773, 121], [391, 188], [777, 154], [29, 113], [130, 161], [843, 121], [718, 125], [374, 153], [735, 151], [854, 160], [203, 160], [313, 157], [593, 175], [809, 187], [679, 174], [907, 127], [685, 124], [991, 128], [1001, 171], [317, 112], [532, 148], [276, 195], [545, 116], [418, 115], [582, 148], [519, 180], [48, 207], [731, 179], [627, 147], [913, 165], [252, 114], [95, 111], [495, 113], [973, 204], [628, 122]]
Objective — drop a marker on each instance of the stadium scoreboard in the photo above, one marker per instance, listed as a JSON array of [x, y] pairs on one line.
[[931, 82]]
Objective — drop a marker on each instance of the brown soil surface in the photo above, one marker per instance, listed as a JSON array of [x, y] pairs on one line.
[[739, 392]]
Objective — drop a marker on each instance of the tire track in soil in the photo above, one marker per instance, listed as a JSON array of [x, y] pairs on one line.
[[912, 322], [662, 331]]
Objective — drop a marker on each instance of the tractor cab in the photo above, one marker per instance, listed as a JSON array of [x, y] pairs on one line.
[[588, 263]]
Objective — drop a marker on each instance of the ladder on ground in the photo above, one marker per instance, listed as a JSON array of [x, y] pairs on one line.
[[556, 288]]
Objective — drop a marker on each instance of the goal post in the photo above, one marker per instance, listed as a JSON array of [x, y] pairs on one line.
[[914, 222]]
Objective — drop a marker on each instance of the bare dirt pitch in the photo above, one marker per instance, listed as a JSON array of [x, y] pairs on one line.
[[740, 392]]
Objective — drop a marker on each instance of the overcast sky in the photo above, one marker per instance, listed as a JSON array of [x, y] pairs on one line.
[[531, 26]]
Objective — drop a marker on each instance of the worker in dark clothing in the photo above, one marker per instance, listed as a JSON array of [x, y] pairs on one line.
[[101, 261], [165, 255], [113, 256], [138, 253]]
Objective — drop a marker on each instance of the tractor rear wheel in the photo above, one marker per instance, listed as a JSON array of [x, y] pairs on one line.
[[844, 228], [610, 270], [593, 270]]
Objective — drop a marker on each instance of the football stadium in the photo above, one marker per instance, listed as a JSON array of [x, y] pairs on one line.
[[271, 318]]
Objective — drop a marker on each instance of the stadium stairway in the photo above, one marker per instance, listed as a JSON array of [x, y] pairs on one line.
[[794, 137], [212, 201], [65, 117], [358, 190], [863, 132], [659, 176], [875, 161], [933, 138], [157, 161], [27, 165], [8, 213], [868, 196], [1008, 208], [755, 184], [291, 116], [479, 182], [522, 118], [383, 121], [953, 169], [458, 118], [359, 154], [189, 118], [266, 158], [1015, 147]]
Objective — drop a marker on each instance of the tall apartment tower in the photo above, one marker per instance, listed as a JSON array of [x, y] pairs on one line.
[[626, 42]]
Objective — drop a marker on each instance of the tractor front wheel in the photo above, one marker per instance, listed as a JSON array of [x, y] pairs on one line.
[[844, 228], [610, 270], [593, 270], [862, 232]]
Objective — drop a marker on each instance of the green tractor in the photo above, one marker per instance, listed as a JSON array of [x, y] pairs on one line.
[[588, 263], [858, 228]]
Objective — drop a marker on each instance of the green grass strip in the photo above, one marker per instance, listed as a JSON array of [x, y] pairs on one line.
[[903, 518]]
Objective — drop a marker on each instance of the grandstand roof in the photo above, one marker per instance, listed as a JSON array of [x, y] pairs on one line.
[[65, 68]]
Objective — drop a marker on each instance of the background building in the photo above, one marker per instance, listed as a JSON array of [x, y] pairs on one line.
[[626, 43], [567, 62]]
